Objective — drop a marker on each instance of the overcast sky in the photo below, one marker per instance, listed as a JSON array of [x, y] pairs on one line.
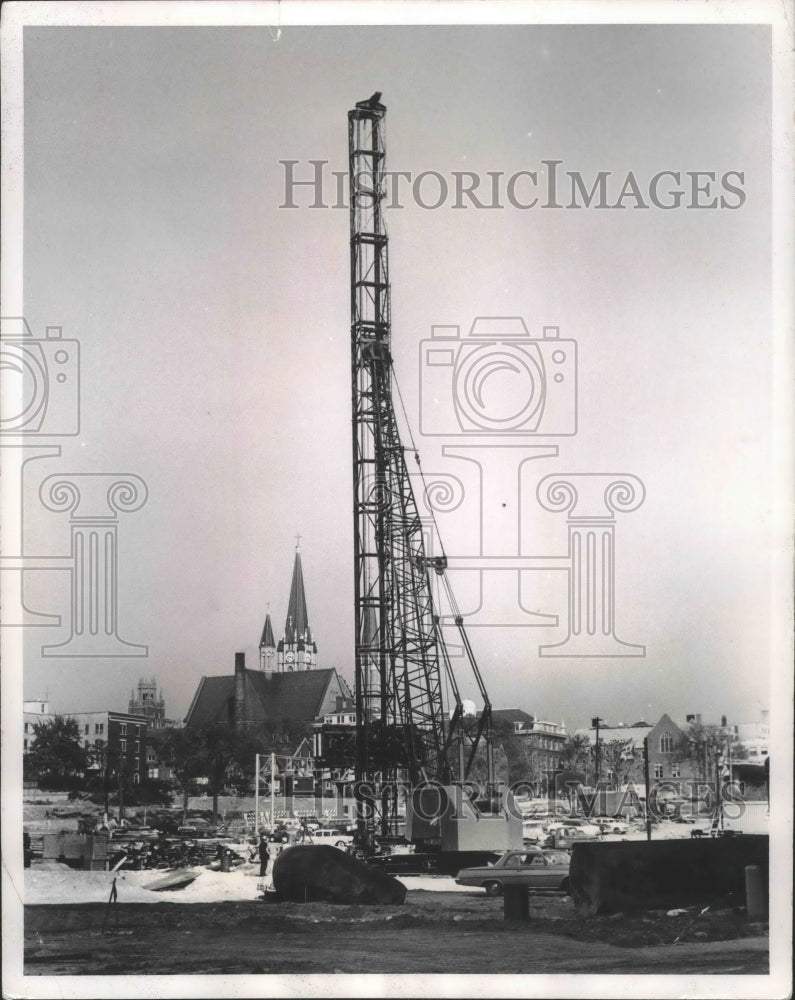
[[215, 348]]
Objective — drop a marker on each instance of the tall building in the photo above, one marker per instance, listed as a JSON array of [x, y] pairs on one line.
[[543, 740], [122, 737], [147, 703]]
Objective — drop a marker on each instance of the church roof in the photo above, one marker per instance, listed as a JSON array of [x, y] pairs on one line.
[[297, 624], [270, 698], [267, 634], [514, 715], [637, 733]]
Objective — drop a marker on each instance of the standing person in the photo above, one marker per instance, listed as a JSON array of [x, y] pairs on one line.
[[263, 855], [274, 848]]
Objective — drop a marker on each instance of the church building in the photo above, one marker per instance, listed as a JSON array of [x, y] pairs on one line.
[[287, 690], [296, 649]]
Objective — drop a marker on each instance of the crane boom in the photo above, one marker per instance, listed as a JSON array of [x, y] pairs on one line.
[[401, 657], [400, 723]]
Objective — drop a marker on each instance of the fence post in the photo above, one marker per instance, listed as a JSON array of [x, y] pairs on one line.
[[755, 893]]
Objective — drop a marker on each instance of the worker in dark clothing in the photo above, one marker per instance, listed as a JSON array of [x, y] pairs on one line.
[[263, 855]]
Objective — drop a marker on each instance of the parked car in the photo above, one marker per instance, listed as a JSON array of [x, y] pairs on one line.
[[565, 837], [532, 868], [327, 836], [533, 832], [613, 826], [588, 827]]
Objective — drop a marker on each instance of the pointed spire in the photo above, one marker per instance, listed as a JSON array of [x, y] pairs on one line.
[[297, 626], [267, 641], [369, 626]]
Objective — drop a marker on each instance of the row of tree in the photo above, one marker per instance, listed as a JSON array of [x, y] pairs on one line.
[[618, 761], [224, 756], [57, 758]]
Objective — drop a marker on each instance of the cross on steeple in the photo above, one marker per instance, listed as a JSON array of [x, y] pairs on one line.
[[297, 543]]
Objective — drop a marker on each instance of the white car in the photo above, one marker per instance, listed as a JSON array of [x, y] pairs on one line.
[[335, 838], [613, 826], [533, 830], [589, 829]]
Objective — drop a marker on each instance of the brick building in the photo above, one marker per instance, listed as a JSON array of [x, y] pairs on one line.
[[665, 739], [542, 740], [122, 738], [33, 713]]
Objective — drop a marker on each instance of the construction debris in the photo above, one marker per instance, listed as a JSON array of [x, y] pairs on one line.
[[320, 873], [174, 880]]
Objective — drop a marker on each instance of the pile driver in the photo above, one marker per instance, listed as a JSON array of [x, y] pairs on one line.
[[407, 744]]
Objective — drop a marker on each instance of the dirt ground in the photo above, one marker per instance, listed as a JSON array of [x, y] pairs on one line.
[[219, 926], [434, 932]]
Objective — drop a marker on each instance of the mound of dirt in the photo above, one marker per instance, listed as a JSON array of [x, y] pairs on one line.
[[321, 873]]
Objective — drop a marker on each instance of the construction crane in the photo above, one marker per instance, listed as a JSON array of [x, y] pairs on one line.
[[402, 661]]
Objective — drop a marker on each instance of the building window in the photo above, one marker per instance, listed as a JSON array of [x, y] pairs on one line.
[[86, 729], [676, 771], [666, 743], [27, 727], [123, 746], [26, 746], [137, 730], [123, 728], [658, 769], [136, 777]]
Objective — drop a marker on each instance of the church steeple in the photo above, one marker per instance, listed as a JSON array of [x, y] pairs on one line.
[[267, 646], [297, 650]]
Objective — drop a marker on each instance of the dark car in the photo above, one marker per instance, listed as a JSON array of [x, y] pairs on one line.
[[533, 868]]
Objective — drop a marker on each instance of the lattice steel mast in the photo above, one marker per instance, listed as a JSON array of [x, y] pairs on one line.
[[400, 715]]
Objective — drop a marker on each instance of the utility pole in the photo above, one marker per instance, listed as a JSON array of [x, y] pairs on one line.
[[595, 722], [121, 787], [256, 795], [646, 778], [273, 790]]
